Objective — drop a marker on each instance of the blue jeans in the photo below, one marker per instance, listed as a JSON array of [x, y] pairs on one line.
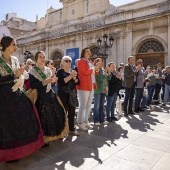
[[129, 95], [111, 101], [55, 88], [166, 94], [98, 115], [150, 94], [144, 101]]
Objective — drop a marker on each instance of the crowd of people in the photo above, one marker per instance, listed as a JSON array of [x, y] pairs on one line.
[[52, 115]]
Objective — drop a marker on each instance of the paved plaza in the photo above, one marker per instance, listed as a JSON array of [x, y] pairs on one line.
[[140, 142]]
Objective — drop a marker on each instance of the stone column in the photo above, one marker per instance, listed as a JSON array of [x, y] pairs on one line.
[[128, 42], [47, 50], [120, 57]]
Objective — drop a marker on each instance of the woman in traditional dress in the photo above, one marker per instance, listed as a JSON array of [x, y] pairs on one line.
[[51, 111], [20, 129], [29, 64]]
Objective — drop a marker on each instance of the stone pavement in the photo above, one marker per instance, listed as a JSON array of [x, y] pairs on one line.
[[140, 142]]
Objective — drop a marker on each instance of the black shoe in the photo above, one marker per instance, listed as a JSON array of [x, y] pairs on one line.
[[163, 105], [136, 111], [132, 113], [46, 145], [109, 119], [126, 114], [157, 102], [140, 109], [114, 118], [16, 160]]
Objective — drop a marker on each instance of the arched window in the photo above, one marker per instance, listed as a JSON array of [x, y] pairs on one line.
[[151, 46], [56, 57]]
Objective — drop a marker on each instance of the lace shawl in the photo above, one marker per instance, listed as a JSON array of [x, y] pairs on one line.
[[46, 71], [14, 66]]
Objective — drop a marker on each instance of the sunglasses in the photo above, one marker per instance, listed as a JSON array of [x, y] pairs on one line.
[[52, 63], [67, 61], [32, 64]]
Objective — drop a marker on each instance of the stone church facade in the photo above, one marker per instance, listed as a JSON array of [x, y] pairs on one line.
[[141, 29]]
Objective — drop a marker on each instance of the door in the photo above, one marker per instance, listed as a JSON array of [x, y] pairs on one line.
[[151, 59]]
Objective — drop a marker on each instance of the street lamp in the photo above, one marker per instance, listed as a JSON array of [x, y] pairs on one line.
[[27, 55], [103, 48]]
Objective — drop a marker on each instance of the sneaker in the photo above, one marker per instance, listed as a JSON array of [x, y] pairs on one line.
[[105, 123], [82, 127], [88, 126], [146, 107], [97, 124], [163, 105], [74, 133]]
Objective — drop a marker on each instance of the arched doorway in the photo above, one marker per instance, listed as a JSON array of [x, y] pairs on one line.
[[56, 57], [151, 52]]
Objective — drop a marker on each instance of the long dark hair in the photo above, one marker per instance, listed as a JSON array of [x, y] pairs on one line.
[[5, 42], [83, 52], [36, 55]]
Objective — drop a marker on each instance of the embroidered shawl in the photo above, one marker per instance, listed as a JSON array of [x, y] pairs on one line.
[[46, 71]]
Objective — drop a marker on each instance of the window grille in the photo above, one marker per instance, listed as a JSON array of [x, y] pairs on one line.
[[151, 46], [57, 56]]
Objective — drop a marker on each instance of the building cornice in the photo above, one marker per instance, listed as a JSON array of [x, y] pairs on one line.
[[68, 28]]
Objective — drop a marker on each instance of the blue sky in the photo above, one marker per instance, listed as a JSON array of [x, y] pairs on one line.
[[28, 9]]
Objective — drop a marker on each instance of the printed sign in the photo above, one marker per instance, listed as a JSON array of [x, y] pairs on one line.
[[74, 54]]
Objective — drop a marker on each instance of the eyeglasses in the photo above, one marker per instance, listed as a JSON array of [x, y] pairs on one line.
[[67, 61]]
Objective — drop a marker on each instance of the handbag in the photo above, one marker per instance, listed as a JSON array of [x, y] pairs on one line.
[[73, 100], [32, 94]]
